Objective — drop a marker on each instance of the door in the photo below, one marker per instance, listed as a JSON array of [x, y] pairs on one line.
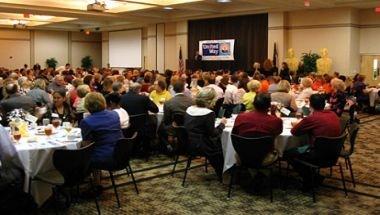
[[370, 67]]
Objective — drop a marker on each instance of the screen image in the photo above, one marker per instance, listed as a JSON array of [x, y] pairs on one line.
[[217, 49]]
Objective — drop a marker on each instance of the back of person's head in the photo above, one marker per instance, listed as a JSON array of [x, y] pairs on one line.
[[11, 88], [276, 79], [135, 87], [179, 86], [317, 102], [40, 83], [82, 90], [254, 85], [206, 97], [77, 82], [87, 79], [113, 98], [262, 102], [162, 85], [94, 102], [234, 78], [283, 86], [116, 86], [306, 82]]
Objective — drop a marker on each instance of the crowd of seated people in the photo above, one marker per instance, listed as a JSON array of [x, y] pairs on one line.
[[104, 102]]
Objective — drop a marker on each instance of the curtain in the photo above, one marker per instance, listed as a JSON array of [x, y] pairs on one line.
[[250, 34]]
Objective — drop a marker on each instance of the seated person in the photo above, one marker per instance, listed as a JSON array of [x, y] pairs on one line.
[[319, 123], [101, 127], [160, 95], [338, 97], [60, 108], [282, 96], [246, 124], [200, 122], [177, 105], [16, 101], [113, 103], [248, 98], [306, 90]]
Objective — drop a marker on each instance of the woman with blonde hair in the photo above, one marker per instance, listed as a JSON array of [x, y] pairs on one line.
[[338, 96], [253, 87], [282, 96], [306, 90], [200, 125]]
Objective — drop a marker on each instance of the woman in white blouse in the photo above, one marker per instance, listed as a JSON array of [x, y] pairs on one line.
[[113, 103]]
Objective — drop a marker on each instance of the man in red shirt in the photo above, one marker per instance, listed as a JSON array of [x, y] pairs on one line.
[[319, 123], [258, 122]]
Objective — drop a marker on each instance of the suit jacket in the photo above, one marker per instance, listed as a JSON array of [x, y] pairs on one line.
[[135, 104], [178, 104], [18, 101]]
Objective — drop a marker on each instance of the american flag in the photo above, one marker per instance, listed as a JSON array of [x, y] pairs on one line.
[[181, 65]]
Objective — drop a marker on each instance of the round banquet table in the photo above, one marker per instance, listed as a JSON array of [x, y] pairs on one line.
[[282, 142], [35, 153], [373, 96]]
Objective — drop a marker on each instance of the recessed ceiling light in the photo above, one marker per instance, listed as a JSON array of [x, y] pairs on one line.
[[168, 8], [223, 1]]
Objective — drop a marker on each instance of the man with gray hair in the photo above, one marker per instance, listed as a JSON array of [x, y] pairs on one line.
[[138, 106], [135, 104], [16, 101], [58, 84]]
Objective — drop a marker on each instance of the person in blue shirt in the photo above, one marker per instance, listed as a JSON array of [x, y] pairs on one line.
[[101, 127]]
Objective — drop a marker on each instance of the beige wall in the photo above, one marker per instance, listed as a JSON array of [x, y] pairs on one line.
[[175, 37], [49, 44], [14, 48], [369, 32], [18, 47]]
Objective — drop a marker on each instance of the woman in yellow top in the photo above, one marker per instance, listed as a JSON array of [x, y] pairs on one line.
[[253, 86], [160, 95]]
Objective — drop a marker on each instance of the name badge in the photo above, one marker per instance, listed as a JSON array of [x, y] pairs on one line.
[[285, 111], [54, 115]]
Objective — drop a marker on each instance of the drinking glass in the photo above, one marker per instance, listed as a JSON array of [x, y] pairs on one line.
[[45, 122], [67, 126], [56, 123], [48, 130], [17, 135]]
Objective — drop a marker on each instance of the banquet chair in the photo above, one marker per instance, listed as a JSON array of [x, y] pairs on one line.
[[325, 154], [344, 122], [70, 172], [121, 154], [138, 123], [252, 152], [186, 143], [346, 154]]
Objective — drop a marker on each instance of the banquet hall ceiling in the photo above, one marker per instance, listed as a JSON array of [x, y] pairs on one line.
[[121, 14]]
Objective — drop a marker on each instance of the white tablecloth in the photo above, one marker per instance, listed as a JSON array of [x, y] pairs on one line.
[[283, 142], [373, 96], [35, 153]]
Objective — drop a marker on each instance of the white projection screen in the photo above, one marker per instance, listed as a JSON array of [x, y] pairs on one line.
[[125, 49]]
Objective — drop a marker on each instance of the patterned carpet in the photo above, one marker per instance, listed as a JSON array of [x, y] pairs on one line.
[[160, 193]]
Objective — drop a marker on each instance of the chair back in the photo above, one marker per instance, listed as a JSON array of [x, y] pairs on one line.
[[137, 124], [353, 130], [182, 138], [252, 151], [179, 118], [74, 165], [343, 120], [194, 144], [122, 152], [326, 150], [217, 106]]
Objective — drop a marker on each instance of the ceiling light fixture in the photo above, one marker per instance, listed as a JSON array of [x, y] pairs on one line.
[[168, 8], [223, 1], [306, 3]]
